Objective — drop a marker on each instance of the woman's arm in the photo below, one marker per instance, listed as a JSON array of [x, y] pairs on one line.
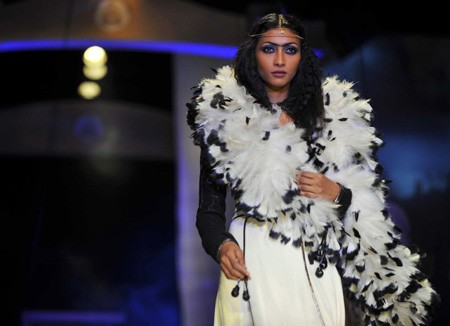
[[217, 242], [211, 218]]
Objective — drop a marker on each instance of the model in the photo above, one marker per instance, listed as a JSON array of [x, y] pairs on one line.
[[298, 154]]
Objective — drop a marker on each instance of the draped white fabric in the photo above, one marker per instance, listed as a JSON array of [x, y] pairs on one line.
[[277, 287]]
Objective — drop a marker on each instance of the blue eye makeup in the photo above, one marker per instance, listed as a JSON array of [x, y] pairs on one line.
[[289, 49], [268, 49]]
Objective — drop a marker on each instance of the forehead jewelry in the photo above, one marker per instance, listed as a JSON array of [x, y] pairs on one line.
[[282, 34], [280, 26]]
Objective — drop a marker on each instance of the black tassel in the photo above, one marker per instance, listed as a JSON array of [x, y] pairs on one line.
[[235, 291]]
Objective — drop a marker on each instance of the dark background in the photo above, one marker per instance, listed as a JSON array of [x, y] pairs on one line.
[[87, 232]]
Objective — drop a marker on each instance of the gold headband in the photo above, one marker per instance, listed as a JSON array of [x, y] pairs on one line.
[[280, 26], [280, 35]]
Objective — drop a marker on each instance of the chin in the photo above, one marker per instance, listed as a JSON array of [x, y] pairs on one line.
[[278, 87]]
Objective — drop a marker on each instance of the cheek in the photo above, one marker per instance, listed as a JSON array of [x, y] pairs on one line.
[[295, 64], [260, 65]]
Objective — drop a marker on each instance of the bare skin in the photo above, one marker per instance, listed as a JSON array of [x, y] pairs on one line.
[[276, 53], [232, 262]]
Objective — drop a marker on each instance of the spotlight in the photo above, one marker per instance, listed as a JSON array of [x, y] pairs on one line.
[[95, 56], [95, 72], [89, 90]]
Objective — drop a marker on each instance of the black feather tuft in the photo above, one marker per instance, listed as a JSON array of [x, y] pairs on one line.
[[274, 235], [297, 243], [284, 239]]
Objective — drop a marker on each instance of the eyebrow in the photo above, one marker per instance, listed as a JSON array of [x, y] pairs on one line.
[[282, 45]]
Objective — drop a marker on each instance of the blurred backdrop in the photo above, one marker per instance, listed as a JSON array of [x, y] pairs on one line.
[[99, 177]]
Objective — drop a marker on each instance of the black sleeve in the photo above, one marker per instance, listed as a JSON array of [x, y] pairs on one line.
[[345, 199], [211, 211]]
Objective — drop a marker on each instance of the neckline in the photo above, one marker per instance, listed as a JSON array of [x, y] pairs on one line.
[[289, 119]]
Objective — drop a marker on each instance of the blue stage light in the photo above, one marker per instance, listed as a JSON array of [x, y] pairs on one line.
[[209, 50]]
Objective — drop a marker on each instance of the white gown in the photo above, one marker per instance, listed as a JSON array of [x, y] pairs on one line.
[[280, 293]]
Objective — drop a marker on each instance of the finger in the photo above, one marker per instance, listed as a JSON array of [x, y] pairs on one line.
[[227, 272], [239, 271], [235, 268], [227, 264], [306, 181], [308, 194], [227, 269], [313, 189], [240, 257], [308, 175], [235, 263], [241, 261], [231, 254]]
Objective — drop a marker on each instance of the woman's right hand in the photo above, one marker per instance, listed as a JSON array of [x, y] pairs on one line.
[[232, 261]]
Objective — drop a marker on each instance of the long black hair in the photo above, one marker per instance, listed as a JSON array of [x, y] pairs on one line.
[[304, 103]]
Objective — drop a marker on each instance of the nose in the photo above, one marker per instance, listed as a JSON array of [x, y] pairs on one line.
[[279, 59]]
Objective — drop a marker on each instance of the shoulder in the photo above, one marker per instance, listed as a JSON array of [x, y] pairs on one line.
[[220, 92], [343, 103], [216, 100], [347, 129], [222, 86]]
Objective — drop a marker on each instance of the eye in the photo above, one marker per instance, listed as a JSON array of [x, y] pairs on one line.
[[291, 50], [268, 49]]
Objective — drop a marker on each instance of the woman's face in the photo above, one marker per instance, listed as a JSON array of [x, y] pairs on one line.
[[277, 57]]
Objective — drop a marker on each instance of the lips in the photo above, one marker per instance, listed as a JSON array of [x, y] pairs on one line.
[[279, 73]]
